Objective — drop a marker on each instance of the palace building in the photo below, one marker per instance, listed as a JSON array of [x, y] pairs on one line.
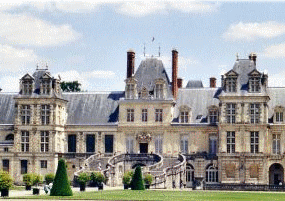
[[195, 136]]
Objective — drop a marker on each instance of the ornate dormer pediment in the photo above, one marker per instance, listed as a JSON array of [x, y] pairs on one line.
[[231, 73], [27, 77], [184, 108], [46, 76], [254, 73]]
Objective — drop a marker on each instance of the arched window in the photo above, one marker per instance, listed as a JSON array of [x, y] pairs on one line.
[[212, 174], [189, 173]]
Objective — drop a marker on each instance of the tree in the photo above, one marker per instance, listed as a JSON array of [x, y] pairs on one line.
[[73, 86], [61, 186], [137, 180]]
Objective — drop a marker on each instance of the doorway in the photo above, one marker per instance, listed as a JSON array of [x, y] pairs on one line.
[[276, 174], [143, 148]]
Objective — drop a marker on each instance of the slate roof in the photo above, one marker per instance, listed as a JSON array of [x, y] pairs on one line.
[[148, 71], [194, 84], [243, 67], [7, 108]]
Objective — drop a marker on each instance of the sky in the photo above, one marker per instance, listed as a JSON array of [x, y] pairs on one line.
[[88, 41]]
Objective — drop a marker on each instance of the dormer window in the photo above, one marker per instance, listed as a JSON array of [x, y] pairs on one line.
[[159, 91], [278, 114], [231, 84], [46, 87], [213, 115], [254, 84], [27, 87], [184, 116], [130, 91]]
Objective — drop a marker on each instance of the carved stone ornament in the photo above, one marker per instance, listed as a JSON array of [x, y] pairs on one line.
[[144, 137]]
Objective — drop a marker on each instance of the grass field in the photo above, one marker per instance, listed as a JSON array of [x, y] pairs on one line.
[[171, 195]]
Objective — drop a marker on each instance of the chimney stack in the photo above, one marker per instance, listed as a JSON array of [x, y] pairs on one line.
[[130, 63], [179, 83], [253, 57], [174, 72], [213, 82]]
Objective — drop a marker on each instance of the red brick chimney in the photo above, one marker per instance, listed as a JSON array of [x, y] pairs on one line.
[[174, 72], [253, 57], [130, 63], [213, 82], [179, 82]]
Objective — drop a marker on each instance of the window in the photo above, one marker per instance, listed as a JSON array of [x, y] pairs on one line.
[[109, 143], [71, 143], [279, 116], [158, 144], [44, 141], [213, 145], [130, 91], [26, 114], [43, 164], [212, 174], [27, 87], [189, 173], [231, 113], [46, 87], [231, 142], [254, 84], [5, 163], [254, 113], [159, 91], [90, 143], [24, 166], [158, 115], [254, 138], [144, 115], [45, 113], [184, 117], [129, 145], [130, 115], [25, 141], [231, 84], [184, 144], [6, 149], [276, 144], [213, 116]]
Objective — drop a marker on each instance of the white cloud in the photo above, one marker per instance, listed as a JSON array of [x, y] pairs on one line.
[[253, 31], [27, 30], [9, 84], [277, 80], [194, 6], [275, 51], [14, 60]]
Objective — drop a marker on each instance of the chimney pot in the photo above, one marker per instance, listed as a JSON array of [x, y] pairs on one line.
[[179, 83], [213, 82], [130, 63], [253, 57]]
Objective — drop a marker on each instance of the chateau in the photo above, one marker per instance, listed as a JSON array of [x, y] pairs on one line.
[[193, 136]]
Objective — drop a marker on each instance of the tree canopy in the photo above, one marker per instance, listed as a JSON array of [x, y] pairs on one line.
[[73, 86]]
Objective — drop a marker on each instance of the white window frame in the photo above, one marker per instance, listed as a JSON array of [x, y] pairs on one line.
[[254, 112], [213, 145], [184, 117], [26, 114], [254, 142], [213, 115], [27, 87], [130, 115], [25, 138], [159, 91], [279, 116], [190, 173], [158, 115], [44, 141], [158, 143], [45, 87], [212, 175], [130, 91], [231, 113], [130, 145], [45, 114], [231, 142], [254, 84], [276, 142], [144, 115], [184, 144], [231, 84]]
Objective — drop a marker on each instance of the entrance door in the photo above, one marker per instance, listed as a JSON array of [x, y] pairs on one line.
[[276, 174], [143, 148]]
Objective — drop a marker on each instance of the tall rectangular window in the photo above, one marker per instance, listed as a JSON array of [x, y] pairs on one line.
[[158, 115], [6, 166], [144, 115], [26, 114], [46, 87], [276, 144], [254, 84], [231, 142], [184, 117], [130, 91], [25, 141], [213, 145], [231, 113], [90, 143], [279, 116], [159, 91], [231, 84], [44, 141], [130, 115], [71, 143], [254, 113], [213, 116], [24, 166], [129, 145], [158, 144], [27, 87], [254, 142], [45, 114], [109, 143], [44, 164], [184, 144]]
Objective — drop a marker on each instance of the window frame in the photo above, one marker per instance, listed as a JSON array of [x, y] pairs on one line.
[[213, 115], [184, 117], [231, 113], [144, 114], [279, 116], [231, 84], [254, 84], [254, 142], [130, 115], [46, 89], [25, 141], [212, 175], [43, 164], [158, 144], [158, 115], [26, 114], [184, 144], [276, 144], [159, 91], [254, 113], [44, 141], [27, 87], [231, 142], [45, 114]]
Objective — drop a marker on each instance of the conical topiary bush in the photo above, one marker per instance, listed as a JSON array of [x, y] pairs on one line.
[[61, 186], [137, 180]]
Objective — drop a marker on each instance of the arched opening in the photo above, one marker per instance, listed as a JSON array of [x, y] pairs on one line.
[[212, 174], [189, 175], [276, 174], [9, 137], [138, 164]]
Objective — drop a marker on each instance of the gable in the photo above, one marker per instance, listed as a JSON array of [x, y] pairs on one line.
[[254, 73], [231, 73], [27, 77]]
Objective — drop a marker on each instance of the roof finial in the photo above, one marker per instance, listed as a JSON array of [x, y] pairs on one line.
[[237, 56], [159, 50], [37, 66], [46, 66]]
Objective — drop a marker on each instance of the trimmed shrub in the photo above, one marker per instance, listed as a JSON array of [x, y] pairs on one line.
[[137, 181], [28, 179], [49, 178], [83, 178], [128, 175], [6, 180], [61, 186], [97, 178], [148, 179], [36, 179]]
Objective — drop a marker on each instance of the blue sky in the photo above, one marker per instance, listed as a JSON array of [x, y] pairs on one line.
[[86, 41]]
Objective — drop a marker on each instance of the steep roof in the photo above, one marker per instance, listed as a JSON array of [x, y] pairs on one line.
[[194, 84], [7, 108], [243, 67]]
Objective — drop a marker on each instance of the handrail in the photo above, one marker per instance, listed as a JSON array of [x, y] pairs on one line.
[[86, 164]]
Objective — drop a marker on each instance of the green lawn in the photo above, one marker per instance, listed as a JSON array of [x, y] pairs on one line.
[[170, 195]]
